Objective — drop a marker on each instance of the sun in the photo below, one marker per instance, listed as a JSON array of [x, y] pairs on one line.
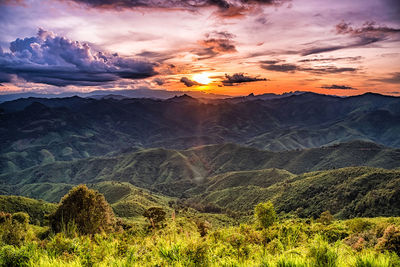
[[201, 78]]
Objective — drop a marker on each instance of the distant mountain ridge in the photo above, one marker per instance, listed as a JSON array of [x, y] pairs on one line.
[[37, 131], [116, 94]]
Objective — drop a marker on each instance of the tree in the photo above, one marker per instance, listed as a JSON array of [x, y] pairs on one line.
[[84, 208], [265, 214], [155, 215]]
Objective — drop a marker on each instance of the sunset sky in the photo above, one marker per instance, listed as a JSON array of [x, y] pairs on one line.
[[230, 47]]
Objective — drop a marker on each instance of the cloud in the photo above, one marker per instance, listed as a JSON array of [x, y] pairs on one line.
[[216, 43], [358, 58], [280, 67], [367, 34], [56, 60], [225, 8], [291, 68], [188, 82], [369, 28], [159, 81], [236, 78], [393, 78], [338, 87]]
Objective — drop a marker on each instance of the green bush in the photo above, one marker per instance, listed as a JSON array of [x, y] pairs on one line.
[[155, 215], [14, 228], [11, 256], [265, 214], [21, 217], [325, 218], [84, 208], [322, 255]]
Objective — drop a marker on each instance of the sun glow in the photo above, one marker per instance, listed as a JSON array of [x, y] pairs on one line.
[[201, 78]]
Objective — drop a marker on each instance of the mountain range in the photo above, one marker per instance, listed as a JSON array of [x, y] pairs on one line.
[[306, 152]]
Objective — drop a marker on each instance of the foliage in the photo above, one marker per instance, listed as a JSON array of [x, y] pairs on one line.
[[291, 242], [86, 209], [325, 218], [155, 215], [13, 227], [265, 214], [390, 240], [37, 210]]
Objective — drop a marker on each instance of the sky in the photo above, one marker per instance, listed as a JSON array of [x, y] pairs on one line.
[[229, 47]]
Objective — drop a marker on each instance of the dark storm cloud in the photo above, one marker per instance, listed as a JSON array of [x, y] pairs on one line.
[[216, 43], [189, 83], [393, 78], [370, 32], [225, 8], [291, 68], [55, 60], [338, 87], [240, 78]]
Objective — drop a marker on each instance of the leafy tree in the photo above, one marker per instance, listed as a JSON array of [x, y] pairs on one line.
[[265, 214], [155, 215], [85, 209]]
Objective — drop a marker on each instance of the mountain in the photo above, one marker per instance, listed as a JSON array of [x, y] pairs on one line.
[[347, 193], [37, 131], [116, 94], [187, 172]]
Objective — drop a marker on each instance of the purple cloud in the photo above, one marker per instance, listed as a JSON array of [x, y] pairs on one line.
[[55, 60], [368, 34], [236, 78], [216, 43], [338, 87], [291, 68], [225, 8]]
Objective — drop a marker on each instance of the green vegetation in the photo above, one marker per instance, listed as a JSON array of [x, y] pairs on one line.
[[185, 239], [152, 201], [265, 214], [37, 131], [38, 210], [85, 209]]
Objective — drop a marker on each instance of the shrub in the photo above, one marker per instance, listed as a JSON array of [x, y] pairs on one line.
[[197, 253], [325, 218], [84, 208], [21, 217], [203, 227], [155, 215], [14, 228], [16, 257], [390, 240], [265, 214], [322, 255]]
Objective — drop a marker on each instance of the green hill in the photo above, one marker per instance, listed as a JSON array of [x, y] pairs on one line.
[[37, 209], [347, 192], [173, 172]]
